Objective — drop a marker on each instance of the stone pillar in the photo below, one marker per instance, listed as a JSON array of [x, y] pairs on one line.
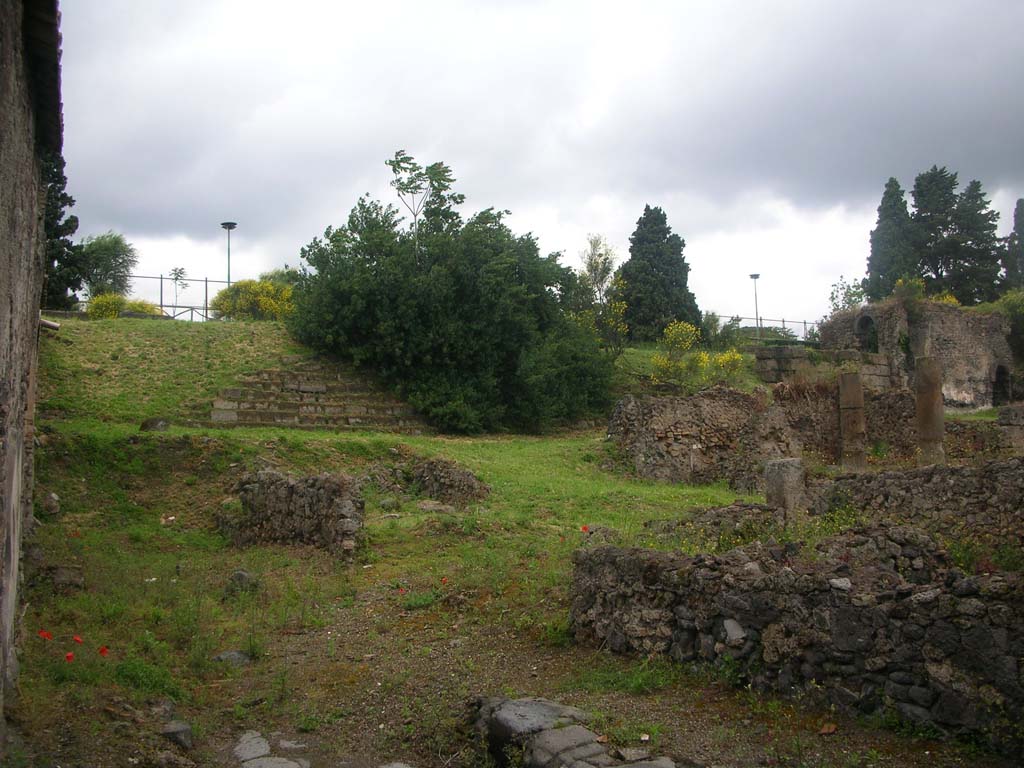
[[784, 484], [931, 425], [852, 429]]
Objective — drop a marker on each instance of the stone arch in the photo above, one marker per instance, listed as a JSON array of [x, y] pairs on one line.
[[1001, 386], [866, 333]]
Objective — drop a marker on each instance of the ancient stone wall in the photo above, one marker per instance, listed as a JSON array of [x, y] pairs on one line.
[[984, 503], [29, 124], [876, 619], [774, 364], [971, 346], [325, 511]]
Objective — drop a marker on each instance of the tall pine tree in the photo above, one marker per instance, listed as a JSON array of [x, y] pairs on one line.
[[655, 278], [974, 272], [1013, 255], [892, 254], [935, 201]]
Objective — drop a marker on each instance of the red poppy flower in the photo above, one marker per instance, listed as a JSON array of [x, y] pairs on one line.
[[401, 590], [585, 528], [69, 656], [77, 639], [444, 579], [45, 635], [104, 650]]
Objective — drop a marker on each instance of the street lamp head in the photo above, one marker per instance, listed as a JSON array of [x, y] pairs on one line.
[[229, 225], [755, 276]]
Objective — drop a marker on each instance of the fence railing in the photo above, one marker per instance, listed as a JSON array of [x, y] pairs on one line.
[[190, 300]]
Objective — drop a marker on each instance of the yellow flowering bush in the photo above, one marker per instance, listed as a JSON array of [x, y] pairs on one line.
[[254, 300]]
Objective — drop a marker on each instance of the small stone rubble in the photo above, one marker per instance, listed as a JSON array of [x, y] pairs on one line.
[[324, 510], [549, 735], [446, 481], [876, 618]]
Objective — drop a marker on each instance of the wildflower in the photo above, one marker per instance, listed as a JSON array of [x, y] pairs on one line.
[[69, 657], [401, 590], [104, 650], [45, 635], [444, 579], [77, 639], [585, 528]]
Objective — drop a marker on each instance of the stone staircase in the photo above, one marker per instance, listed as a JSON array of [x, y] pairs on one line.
[[312, 394]]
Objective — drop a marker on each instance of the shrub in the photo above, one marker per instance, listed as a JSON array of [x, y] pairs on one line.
[[105, 306], [462, 318], [142, 307], [254, 300]]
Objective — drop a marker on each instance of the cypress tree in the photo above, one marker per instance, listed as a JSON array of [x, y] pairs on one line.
[[655, 278], [892, 255], [1013, 255], [935, 200], [974, 271]]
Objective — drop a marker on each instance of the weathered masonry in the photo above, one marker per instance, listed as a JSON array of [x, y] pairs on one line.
[[30, 125], [971, 347]]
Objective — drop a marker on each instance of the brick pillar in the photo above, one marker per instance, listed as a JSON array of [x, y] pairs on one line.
[[931, 425], [852, 429]]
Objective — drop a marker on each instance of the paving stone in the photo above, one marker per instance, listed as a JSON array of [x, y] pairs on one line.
[[251, 745], [179, 732]]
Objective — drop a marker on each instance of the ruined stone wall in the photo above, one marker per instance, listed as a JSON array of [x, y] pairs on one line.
[[325, 511], [876, 619], [28, 121], [723, 434], [775, 364], [969, 345], [984, 502]]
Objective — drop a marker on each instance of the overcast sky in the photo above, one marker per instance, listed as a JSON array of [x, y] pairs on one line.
[[766, 130]]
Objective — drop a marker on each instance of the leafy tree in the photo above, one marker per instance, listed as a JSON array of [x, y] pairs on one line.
[[846, 295], [1013, 255], [178, 280], [892, 254], [64, 260], [109, 260], [598, 262], [974, 273], [655, 278], [716, 335], [464, 318]]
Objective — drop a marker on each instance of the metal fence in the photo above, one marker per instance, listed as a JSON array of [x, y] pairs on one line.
[[192, 303]]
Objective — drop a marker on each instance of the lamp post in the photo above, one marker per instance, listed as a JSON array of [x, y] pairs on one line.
[[757, 314], [229, 225]]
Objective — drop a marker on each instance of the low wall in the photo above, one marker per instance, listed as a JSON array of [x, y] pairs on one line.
[[875, 619], [324, 510], [775, 364], [984, 503], [724, 434]]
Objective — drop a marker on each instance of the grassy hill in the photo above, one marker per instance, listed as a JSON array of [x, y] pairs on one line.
[[373, 659]]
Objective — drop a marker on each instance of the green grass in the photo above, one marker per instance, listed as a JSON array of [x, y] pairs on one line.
[[982, 414], [133, 369]]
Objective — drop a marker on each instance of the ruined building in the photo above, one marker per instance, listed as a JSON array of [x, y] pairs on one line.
[[30, 126], [971, 346]]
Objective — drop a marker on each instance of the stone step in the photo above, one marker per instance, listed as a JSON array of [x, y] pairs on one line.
[[337, 408], [295, 396], [310, 385], [291, 417], [411, 428]]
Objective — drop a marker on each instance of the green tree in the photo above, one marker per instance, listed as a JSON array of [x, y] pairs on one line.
[[935, 200], [598, 263], [655, 278], [847, 295], [281, 276], [892, 253], [64, 259], [178, 276], [1013, 253], [464, 319], [974, 272], [109, 260]]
